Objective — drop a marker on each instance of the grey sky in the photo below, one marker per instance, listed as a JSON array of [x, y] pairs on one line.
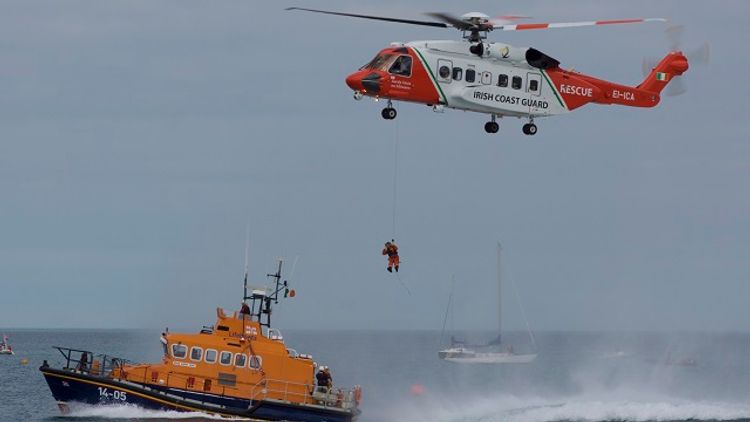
[[138, 138]]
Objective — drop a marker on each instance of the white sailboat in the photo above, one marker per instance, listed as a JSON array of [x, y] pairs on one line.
[[5, 348], [495, 351]]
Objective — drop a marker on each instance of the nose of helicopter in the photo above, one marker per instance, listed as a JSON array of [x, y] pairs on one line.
[[364, 82], [354, 81]]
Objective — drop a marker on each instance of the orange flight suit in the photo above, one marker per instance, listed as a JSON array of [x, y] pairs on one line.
[[392, 251]]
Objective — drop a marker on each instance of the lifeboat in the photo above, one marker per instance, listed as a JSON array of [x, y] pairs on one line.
[[239, 367]]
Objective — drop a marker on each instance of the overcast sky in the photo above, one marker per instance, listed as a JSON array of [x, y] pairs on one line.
[[138, 139]]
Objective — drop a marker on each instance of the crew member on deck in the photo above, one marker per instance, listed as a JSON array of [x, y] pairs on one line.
[[163, 341], [391, 250], [324, 380], [83, 363]]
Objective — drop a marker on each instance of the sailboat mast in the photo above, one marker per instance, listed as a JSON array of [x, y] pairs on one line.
[[499, 296]]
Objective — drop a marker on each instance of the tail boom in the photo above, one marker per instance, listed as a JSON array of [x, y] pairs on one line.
[[578, 89]]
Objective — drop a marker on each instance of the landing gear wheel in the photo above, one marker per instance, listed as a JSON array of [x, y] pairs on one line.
[[529, 129], [388, 113], [491, 127]]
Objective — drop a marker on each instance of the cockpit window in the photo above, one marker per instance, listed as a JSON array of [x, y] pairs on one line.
[[402, 66], [379, 62]]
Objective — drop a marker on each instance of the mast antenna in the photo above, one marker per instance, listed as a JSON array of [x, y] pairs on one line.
[[247, 254]]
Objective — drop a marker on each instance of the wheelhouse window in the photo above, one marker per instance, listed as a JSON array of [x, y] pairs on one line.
[[226, 358], [517, 82], [471, 75], [458, 73], [239, 360], [179, 351], [255, 362], [533, 85], [402, 66], [502, 81], [196, 354], [211, 355]]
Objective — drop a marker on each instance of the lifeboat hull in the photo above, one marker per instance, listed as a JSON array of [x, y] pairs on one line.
[[76, 387]]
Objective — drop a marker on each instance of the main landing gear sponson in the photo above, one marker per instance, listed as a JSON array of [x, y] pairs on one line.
[[389, 113], [491, 126]]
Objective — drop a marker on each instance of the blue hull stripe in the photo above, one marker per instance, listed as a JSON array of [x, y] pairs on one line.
[[74, 387]]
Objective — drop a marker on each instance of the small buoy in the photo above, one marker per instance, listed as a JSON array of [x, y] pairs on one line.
[[417, 389], [24, 361]]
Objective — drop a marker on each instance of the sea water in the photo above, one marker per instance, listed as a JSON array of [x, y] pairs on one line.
[[576, 377]]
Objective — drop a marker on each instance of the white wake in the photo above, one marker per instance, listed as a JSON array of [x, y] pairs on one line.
[[129, 411], [515, 409]]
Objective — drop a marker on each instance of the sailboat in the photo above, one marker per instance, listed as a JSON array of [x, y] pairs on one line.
[[495, 351], [5, 348]]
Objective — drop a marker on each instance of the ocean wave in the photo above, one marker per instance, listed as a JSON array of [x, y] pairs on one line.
[[515, 409]]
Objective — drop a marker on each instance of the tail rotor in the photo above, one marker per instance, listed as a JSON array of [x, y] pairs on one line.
[[697, 55]]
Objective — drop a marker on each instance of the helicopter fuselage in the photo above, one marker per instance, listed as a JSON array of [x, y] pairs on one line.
[[497, 79]]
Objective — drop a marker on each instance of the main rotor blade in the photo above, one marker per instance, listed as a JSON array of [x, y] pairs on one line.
[[377, 18], [452, 20], [553, 25]]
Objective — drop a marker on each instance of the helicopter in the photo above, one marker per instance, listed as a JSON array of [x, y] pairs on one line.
[[495, 78]]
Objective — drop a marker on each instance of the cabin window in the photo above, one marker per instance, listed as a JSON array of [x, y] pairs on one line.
[[533, 85], [444, 72], [458, 73], [486, 78], [226, 358], [471, 75], [517, 82], [196, 354], [502, 81], [239, 360], [402, 66], [179, 351], [255, 362], [211, 355]]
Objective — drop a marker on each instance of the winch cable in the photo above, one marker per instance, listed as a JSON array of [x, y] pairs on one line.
[[395, 179], [395, 195]]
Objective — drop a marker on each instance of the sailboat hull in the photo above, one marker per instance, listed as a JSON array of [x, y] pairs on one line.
[[469, 356]]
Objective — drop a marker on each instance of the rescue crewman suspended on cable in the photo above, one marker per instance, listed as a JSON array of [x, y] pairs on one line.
[[391, 250]]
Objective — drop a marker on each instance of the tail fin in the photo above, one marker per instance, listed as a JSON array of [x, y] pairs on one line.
[[673, 64]]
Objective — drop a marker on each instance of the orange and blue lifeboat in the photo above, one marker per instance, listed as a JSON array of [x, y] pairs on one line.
[[240, 367]]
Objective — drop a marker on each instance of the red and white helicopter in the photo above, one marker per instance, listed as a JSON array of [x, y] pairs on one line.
[[495, 78]]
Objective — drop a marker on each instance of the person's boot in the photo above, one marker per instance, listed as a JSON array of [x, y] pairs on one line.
[[396, 268], [390, 270]]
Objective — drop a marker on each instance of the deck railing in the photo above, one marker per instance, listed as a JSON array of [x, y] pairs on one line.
[[85, 361]]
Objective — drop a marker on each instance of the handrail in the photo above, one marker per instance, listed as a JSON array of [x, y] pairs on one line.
[[102, 366], [332, 397]]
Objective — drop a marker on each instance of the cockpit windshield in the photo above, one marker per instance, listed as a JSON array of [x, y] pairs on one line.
[[380, 62]]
